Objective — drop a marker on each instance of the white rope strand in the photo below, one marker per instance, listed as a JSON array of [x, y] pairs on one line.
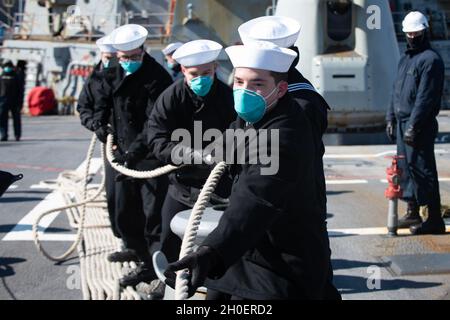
[[187, 246]]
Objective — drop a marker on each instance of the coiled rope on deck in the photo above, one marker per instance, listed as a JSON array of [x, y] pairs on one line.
[[83, 204], [187, 247]]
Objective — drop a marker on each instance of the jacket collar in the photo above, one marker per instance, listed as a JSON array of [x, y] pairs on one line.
[[198, 101]]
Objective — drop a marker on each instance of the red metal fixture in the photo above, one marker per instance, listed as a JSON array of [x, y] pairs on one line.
[[394, 173]]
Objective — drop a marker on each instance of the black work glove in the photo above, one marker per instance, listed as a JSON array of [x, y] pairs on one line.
[[128, 159], [102, 133], [183, 155], [193, 176], [390, 131], [410, 137], [199, 264]]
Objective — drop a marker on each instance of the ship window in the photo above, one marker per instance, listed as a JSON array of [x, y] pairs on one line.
[[339, 20]]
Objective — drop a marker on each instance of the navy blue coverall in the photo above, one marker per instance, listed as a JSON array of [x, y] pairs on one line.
[[415, 104]]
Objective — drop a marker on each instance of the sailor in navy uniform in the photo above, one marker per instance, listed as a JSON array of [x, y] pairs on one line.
[[198, 97], [284, 32], [90, 119], [134, 88], [271, 242], [172, 65]]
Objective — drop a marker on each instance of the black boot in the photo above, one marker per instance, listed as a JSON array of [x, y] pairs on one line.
[[125, 255], [412, 216], [154, 291], [434, 225], [143, 273]]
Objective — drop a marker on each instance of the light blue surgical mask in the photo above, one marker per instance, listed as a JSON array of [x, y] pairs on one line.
[[201, 85], [105, 64], [7, 69], [170, 65], [250, 105], [130, 66]]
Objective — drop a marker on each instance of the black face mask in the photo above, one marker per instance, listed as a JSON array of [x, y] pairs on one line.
[[416, 42]]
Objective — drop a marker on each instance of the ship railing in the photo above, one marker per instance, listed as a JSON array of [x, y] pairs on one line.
[[82, 26], [159, 25], [439, 24]]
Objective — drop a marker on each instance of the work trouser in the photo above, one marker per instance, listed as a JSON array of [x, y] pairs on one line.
[[110, 186], [5, 108], [419, 179], [170, 242], [138, 214]]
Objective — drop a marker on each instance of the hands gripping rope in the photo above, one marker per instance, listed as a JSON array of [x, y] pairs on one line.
[[187, 247]]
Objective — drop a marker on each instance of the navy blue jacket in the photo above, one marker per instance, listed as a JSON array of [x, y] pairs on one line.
[[129, 104], [272, 239], [87, 99], [418, 88]]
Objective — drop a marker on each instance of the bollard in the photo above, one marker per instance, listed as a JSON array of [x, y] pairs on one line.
[[393, 193]]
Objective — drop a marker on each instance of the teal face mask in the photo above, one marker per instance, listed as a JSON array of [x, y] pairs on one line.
[[8, 69], [171, 65], [250, 105], [130, 66], [201, 85], [106, 64]]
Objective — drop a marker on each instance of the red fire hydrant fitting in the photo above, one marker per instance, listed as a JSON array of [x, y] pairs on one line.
[[393, 193]]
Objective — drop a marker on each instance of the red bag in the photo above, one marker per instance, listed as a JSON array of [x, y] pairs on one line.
[[41, 100]]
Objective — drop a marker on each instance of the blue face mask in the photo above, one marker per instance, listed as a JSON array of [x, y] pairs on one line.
[[130, 66], [201, 85], [171, 65], [7, 69], [106, 64], [250, 105]]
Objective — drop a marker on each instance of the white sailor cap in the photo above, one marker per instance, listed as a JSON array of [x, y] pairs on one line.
[[128, 37], [104, 44], [281, 31], [261, 55], [197, 52], [171, 47]]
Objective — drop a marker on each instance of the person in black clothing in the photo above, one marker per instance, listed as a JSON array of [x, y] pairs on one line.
[[134, 89], [271, 242], [11, 100], [196, 103], [173, 67], [90, 119], [284, 32], [411, 121]]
